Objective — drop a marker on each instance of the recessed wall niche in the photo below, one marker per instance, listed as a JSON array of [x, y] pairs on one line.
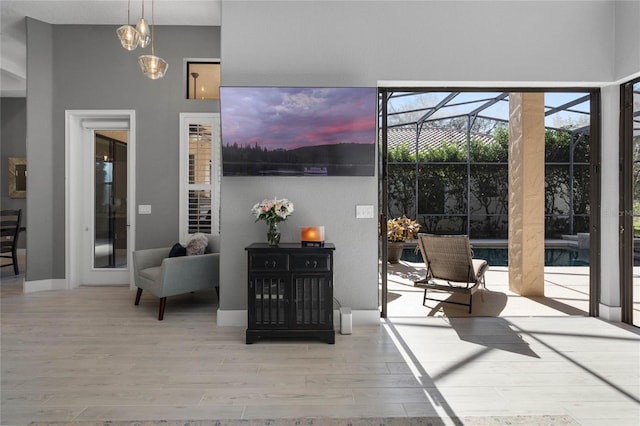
[[203, 79]]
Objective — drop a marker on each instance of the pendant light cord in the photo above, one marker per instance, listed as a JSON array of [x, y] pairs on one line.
[[153, 27]]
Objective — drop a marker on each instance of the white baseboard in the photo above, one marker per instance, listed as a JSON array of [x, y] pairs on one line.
[[44, 285], [359, 317], [238, 318], [610, 313], [232, 318], [366, 317]]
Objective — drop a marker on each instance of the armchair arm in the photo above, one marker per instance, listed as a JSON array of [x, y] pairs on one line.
[[189, 273], [143, 259]]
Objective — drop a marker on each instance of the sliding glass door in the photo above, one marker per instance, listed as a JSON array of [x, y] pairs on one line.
[[630, 201]]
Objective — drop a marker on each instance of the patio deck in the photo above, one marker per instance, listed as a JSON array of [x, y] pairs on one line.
[[566, 293]]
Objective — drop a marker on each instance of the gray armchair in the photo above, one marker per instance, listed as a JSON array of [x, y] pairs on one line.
[[165, 276]]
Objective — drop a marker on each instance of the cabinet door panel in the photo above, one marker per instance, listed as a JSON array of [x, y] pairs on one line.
[[270, 300], [313, 302]]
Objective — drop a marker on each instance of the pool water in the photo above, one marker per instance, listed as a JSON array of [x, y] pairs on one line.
[[500, 257]]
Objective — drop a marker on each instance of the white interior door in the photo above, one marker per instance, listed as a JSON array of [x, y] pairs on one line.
[[100, 196]]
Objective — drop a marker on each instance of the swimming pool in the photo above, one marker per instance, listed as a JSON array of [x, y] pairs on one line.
[[499, 256]]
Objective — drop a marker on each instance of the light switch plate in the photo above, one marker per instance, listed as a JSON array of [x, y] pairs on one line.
[[364, 211], [144, 209]]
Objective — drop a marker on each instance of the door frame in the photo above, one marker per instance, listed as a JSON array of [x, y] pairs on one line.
[[595, 222], [75, 127], [626, 200]]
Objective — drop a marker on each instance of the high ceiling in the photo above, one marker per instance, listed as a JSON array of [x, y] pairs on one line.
[[92, 12]]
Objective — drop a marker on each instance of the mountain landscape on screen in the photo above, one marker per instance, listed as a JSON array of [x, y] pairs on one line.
[[296, 131]]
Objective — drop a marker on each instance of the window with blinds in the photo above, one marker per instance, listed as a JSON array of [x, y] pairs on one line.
[[200, 174], [199, 178]]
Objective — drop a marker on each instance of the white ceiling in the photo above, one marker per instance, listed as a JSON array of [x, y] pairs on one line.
[[98, 12]]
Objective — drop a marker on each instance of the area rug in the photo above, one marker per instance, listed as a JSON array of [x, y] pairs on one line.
[[550, 420]]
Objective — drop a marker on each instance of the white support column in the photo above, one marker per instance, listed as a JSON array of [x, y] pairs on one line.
[[610, 307]]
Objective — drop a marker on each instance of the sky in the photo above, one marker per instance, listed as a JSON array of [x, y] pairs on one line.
[[289, 118]]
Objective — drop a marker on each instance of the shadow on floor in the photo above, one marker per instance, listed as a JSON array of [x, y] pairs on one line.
[[486, 303]]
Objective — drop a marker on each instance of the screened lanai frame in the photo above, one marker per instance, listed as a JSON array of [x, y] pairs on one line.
[[493, 97], [476, 212]]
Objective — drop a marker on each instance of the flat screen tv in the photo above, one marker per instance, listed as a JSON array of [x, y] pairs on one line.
[[298, 131]]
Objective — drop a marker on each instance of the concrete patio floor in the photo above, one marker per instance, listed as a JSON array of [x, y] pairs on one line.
[[566, 294]]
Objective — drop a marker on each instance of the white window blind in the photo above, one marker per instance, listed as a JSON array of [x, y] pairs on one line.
[[200, 174]]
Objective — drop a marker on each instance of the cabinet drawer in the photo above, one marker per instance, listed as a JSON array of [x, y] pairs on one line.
[[268, 262], [311, 262]]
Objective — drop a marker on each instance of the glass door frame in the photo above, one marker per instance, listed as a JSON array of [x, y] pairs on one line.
[[595, 171], [626, 200], [115, 151]]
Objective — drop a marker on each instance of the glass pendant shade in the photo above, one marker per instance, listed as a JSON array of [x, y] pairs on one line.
[[153, 66], [129, 37], [143, 30]]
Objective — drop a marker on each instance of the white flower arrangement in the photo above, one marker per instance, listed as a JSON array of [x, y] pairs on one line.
[[272, 210]]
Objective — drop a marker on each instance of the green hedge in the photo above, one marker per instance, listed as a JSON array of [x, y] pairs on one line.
[[444, 202]]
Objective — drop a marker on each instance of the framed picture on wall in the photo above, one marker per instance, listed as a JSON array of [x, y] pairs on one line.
[[17, 167]]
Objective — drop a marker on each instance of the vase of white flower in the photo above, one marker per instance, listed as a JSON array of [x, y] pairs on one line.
[[273, 212], [273, 234]]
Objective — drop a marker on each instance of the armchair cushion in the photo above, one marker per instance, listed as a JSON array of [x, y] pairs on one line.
[[197, 244], [151, 273], [178, 250]]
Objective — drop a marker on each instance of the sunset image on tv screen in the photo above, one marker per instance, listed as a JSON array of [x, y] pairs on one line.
[[291, 131]]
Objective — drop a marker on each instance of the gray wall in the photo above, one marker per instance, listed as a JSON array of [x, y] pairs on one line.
[[627, 36], [362, 42], [44, 228], [84, 67], [13, 143], [328, 201], [348, 43]]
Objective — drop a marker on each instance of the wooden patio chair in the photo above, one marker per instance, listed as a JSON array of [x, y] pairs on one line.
[[450, 266]]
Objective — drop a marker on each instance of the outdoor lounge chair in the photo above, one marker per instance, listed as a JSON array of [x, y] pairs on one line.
[[450, 266]]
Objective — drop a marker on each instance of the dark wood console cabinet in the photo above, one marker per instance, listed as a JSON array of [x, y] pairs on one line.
[[290, 292]]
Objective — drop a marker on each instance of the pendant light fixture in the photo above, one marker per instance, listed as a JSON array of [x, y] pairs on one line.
[[143, 28], [129, 37], [195, 76], [153, 66]]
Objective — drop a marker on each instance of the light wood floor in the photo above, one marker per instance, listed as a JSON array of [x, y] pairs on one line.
[[90, 354]]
